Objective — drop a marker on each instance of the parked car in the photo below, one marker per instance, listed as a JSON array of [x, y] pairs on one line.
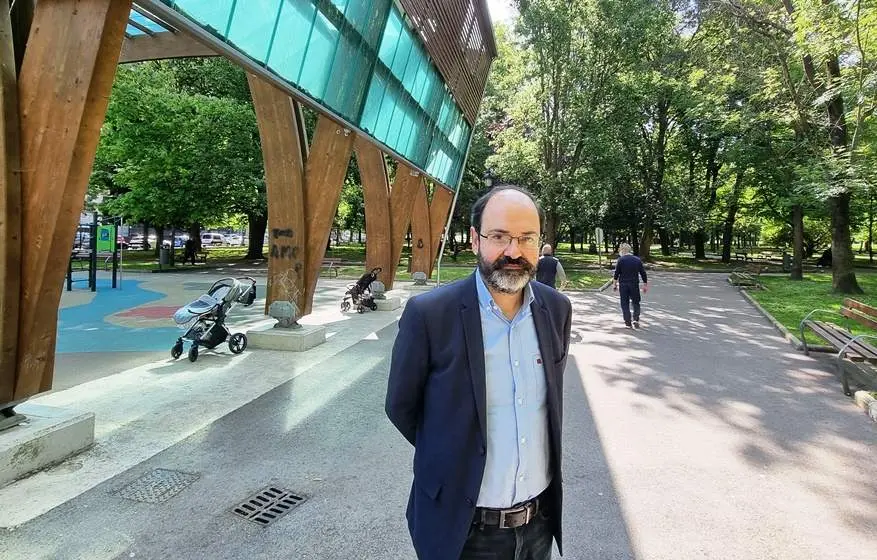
[[235, 239], [208, 239]]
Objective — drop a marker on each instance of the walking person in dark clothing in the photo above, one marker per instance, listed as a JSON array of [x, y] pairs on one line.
[[628, 270], [549, 270]]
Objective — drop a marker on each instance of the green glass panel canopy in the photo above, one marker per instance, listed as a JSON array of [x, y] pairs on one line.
[[359, 60]]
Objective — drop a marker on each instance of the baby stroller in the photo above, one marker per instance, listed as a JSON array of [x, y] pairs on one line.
[[360, 295], [204, 318]]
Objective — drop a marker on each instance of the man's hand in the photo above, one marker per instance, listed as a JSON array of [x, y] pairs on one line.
[[615, 286], [646, 288]]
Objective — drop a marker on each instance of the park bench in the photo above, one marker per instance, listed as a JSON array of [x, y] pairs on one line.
[[742, 256], [853, 348], [747, 277], [330, 267]]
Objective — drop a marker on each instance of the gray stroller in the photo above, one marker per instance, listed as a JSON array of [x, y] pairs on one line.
[[204, 318]]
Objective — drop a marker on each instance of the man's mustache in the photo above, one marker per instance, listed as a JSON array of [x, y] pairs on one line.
[[503, 261]]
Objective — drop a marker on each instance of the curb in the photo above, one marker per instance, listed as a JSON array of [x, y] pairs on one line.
[[791, 338], [867, 402]]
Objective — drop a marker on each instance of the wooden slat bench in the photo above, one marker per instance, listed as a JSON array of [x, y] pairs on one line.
[[749, 277], [330, 267], [854, 348]]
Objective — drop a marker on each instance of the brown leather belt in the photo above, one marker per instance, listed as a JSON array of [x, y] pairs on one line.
[[509, 518]]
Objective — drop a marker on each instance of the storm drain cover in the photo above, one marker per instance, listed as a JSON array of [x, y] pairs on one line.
[[269, 505], [157, 486]]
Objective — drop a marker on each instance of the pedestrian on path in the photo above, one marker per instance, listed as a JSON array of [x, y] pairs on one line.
[[628, 270], [476, 386], [549, 271]]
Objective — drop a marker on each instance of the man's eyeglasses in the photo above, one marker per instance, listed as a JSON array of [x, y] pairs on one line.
[[503, 240]]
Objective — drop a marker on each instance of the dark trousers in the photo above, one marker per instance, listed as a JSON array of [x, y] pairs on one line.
[[529, 542], [629, 293]]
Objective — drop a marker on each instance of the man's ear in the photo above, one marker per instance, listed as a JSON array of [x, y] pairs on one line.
[[476, 239]]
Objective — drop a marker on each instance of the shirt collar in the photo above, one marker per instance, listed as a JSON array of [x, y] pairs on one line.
[[485, 298]]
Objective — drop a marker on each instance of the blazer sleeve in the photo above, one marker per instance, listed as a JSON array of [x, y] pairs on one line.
[[409, 369]]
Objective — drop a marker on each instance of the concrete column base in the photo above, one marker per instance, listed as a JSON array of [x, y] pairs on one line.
[[291, 340], [49, 436], [392, 303]]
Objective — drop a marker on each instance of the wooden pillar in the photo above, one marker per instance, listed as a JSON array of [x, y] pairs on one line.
[[64, 88], [421, 233], [376, 193], [325, 171], [402, 199], [304, 187], [387, 210], [10, 211], [284, 151], [439, 207]]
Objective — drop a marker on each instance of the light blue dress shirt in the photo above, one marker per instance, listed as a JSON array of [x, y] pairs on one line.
[[518, 448]]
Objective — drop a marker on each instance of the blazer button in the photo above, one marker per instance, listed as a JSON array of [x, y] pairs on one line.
[[482, 451], [470, 502]]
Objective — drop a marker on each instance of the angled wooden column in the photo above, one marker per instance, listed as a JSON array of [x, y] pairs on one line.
[[402, 198], [10, 212], [439, 207], [421, 233], [376, 193], [325, 171], [64, 88], [284, 151]]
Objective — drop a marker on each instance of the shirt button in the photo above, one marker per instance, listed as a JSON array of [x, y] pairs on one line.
[[516, 363], [521, 402], [521, 478], [523, 440]]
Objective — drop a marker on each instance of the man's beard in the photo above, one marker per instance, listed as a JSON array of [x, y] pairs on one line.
[[507, 281]]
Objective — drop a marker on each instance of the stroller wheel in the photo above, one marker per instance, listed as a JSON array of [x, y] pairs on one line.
[[237, 343], [360, 309], [177, 351], [193, 353], [345, 306], [373, 305]]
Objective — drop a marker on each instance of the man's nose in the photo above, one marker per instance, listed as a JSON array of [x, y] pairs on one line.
[[513, 250]]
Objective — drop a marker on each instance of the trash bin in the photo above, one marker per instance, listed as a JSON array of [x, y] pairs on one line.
[[164, 256], [787, 262]]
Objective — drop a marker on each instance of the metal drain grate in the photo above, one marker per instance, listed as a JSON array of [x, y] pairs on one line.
[[268, 506], [157, 486]]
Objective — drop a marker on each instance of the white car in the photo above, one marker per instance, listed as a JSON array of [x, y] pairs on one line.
[[208, 239], [235, 239]]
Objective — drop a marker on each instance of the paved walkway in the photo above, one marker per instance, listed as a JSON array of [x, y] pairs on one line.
[[704, 435]]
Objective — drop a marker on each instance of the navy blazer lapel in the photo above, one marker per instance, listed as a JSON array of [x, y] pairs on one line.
[[471, 316]]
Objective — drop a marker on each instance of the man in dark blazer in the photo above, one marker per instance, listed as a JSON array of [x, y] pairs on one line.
[[476, 385]]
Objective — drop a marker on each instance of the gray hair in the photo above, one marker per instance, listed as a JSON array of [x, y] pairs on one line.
[[624, 249]]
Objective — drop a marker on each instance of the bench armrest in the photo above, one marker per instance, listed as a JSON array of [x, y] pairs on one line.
[[849, 343], [831, 311]]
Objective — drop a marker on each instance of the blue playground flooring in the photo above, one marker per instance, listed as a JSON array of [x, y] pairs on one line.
[[83, 328]]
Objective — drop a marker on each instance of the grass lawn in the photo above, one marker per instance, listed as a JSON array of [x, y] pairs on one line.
[[790, 301]]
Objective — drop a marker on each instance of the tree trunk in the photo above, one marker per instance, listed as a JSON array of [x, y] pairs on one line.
[[159, 240], [195, 235], [843, 278], [572, 240], [733, 205], [700, 244], [255, 244], [798, 243], [664, 236], [645, 243], [551, 228]]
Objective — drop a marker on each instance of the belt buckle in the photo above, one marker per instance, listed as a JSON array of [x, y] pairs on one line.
[[503, 516]]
